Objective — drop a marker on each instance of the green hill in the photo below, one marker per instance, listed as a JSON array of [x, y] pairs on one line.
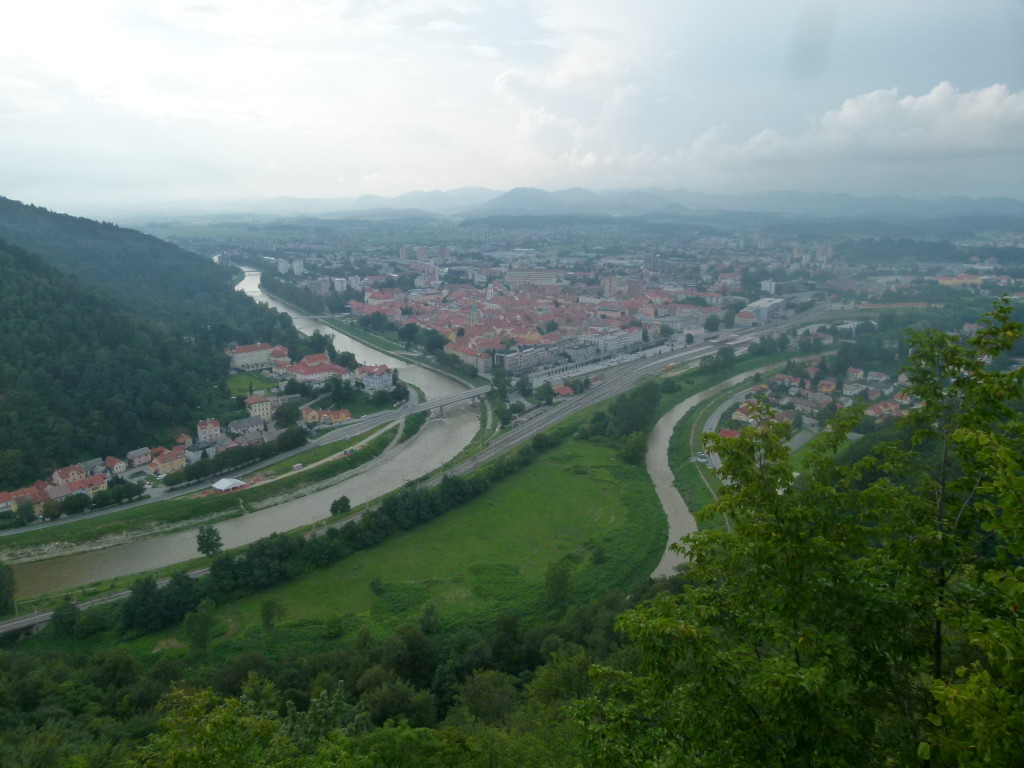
[[111, 337], [82, 376], [158, 279]]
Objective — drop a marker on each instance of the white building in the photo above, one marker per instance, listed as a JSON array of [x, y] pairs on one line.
[[375, 376], [208, 431], [251, 357], [612, 340], [766, 310]]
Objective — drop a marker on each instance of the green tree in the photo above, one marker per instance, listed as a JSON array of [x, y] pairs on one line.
[[24, 513], [287, 415], [341, 506], [198, 626], [74, 504], [208, 541], [199, 730], [65, 619], [545, 393], [524, 386], [489, 695], [271, 612], [711, 323], [7, 588], [408, 332], [634, 448], [838, 620], [558, 583]]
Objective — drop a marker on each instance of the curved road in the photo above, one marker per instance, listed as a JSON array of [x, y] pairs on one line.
[[615, 381]]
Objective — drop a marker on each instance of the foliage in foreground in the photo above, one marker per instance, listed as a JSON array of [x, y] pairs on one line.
[[856, 615]]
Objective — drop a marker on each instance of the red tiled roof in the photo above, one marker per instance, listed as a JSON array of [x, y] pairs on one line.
[[258, 347]]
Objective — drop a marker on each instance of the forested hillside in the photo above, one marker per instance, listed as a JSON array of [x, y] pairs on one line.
[[151, 276], [109, 337], [81, 376]]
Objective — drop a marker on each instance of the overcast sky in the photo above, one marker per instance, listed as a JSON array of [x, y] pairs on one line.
[[112, 102]]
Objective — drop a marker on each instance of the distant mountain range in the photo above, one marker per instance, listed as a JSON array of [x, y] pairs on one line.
[[480, 202]]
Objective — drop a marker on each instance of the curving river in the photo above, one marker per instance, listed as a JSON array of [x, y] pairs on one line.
[[440, 440]]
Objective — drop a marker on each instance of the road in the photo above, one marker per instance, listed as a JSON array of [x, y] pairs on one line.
[[354, 429], [615, 381]]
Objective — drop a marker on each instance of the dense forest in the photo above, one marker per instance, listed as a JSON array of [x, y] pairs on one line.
[[191, 293], [81, 371], [111, 338]]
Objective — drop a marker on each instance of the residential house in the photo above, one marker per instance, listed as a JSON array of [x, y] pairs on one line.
[[279, 359], [139, 457], [115, 466], [853, 389], [260, 407], [264, 407], [244, 426], [208, 431], [90, 486], [745, 319], [93, 466], [200, 450], [167, 462], [314, 417], [375, 376], [69, 474]]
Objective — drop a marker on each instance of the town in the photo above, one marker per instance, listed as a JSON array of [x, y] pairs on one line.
[[101, 482], [550, 301]]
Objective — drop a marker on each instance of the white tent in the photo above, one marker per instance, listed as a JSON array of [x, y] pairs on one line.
[[228, 484]]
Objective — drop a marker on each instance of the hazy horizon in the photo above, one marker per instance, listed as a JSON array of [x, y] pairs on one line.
[[121, 102]]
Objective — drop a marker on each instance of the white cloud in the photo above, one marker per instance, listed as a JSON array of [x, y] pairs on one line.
[[876, 141], [884, 126], [484, 51], [398, 94]]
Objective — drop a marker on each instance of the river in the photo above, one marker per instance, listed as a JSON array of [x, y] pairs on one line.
[[440, 441]]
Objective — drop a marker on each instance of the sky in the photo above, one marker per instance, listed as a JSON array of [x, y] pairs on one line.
[[114, 103]]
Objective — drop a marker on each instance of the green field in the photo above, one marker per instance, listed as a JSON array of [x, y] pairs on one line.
[[239, 383], [489, 557], [478, 562]]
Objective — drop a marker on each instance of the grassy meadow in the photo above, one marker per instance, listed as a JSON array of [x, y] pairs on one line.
[[480, 561], [489, 557]]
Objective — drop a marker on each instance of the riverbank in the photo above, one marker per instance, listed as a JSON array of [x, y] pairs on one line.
[[384, 345], [201, 508]]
